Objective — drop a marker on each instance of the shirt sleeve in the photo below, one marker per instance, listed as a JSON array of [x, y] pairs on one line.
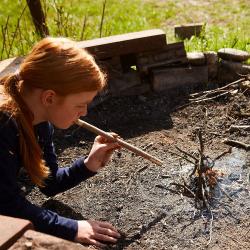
[[60, 179], [12, 203]]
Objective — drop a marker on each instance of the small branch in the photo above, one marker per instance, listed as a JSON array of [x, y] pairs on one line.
[[222, 88], [184, 187], [210, 98], [237, 144], [211, 228], [242, 114], [229, 151], [16, 29], [186, 153], [103, 14], [224, 192], [83, 27], [240, 127]]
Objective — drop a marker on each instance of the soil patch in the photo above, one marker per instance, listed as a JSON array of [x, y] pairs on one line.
[[137, 196]]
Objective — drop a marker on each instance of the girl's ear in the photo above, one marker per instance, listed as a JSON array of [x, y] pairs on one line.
[[48, 97]]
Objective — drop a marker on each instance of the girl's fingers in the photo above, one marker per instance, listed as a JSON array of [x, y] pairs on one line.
[[102, 139], [105, 238], [105, 224], [109, 232]]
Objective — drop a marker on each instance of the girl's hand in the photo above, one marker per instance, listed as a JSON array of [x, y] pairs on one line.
[[96, 233], [101, 153]]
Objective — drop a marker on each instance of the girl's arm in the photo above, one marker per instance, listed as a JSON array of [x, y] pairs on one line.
[[61, 179], [12, 203]]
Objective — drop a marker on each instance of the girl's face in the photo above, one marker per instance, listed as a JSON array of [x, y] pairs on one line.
[[64, 111]]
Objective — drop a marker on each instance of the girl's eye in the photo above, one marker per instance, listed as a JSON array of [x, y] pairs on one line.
[[81, 107]]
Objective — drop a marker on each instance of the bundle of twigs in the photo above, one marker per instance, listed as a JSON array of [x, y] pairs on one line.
[[203, 177], [242, 85], [230, 89]]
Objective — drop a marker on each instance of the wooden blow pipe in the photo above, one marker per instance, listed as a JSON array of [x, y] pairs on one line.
[[122, 143]]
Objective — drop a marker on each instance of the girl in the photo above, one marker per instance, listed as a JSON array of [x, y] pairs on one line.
[[54, 85]]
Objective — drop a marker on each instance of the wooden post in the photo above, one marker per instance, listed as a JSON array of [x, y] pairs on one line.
[[38, 17]]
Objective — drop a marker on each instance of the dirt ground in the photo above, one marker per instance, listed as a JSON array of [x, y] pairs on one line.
[[137, 196]]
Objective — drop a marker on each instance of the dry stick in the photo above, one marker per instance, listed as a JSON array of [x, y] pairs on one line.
[[103, 14], [211, 91], [222, 88], [184, 188], [237, 144], [208, 95], [186, 153], [211, 227], [201, 100], [119, 141], [229, 151], [210, 98], [5, 34], [187, 187], [243, 114], [224, 191], [203, 185], [15, 32], [83, 27], [171, 152], [240, 127]]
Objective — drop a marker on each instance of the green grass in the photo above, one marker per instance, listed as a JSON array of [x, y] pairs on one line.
[[227, 22]]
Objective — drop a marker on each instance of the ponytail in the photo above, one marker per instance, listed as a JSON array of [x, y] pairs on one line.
[[30, 150]]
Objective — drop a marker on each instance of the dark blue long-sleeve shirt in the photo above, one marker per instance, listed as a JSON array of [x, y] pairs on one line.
[[12, 203]]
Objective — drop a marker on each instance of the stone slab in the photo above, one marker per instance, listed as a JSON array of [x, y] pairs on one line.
[[235, 55], [173, 78], [196, 58], [40, 241], [231, 71], [11, 230], [129, 43]]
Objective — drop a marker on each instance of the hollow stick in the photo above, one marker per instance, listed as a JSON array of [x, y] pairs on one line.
[[122, 143]]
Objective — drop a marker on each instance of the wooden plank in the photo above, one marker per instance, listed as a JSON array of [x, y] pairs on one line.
[[168, 55], [179, 77], [129, 43], [11, 230], [188, 30]]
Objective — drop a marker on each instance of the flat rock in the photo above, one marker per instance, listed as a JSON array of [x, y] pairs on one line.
[[231, 54], [196, 58]]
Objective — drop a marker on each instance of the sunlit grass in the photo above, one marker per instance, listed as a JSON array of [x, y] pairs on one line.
[[227, 22]]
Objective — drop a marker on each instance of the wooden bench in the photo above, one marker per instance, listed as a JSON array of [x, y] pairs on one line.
[[11, 230]]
